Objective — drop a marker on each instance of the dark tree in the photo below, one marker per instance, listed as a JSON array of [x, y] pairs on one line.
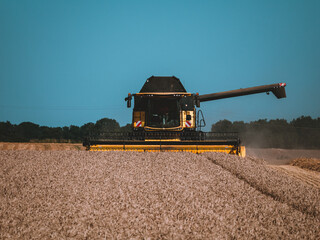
[[106, 125], [87, 129], [27, 130], [127, 128], [7, 132], [75, 133], [222, 126]]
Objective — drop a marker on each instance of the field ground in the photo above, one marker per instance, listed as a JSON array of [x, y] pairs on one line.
[[76, 194], [40, 146]]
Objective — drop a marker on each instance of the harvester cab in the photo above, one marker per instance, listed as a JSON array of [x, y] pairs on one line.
[[165, 118], [163, 104]]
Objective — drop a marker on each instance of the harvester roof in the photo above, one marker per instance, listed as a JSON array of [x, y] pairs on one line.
[[156, 84]]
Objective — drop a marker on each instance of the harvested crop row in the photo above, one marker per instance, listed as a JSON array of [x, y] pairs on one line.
[[309, 177], [281, 187], [307, 163], [64, 194]]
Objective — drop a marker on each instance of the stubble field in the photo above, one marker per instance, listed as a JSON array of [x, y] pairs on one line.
[[123, 195]]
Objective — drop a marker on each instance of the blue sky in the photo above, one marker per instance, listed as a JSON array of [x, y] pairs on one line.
[[73, 62]]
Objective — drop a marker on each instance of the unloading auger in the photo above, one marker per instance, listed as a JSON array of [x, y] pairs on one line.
[[165, 118]]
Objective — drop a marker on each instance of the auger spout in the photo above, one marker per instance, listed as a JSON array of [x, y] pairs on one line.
[[277, 89]]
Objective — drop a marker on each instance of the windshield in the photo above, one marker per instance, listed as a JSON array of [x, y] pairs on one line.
[[163, 112]]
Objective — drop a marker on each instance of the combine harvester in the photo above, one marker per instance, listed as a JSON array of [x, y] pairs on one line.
[[165, 118]]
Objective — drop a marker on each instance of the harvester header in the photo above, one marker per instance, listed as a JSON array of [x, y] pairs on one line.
[[165, 118]]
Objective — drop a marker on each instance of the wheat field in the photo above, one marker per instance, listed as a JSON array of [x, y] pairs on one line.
[[129, 195]]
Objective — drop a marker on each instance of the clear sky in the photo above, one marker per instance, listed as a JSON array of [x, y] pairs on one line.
[[72, 62]]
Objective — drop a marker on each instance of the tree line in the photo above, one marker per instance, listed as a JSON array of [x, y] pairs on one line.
[[28, 131], [302, 132]]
